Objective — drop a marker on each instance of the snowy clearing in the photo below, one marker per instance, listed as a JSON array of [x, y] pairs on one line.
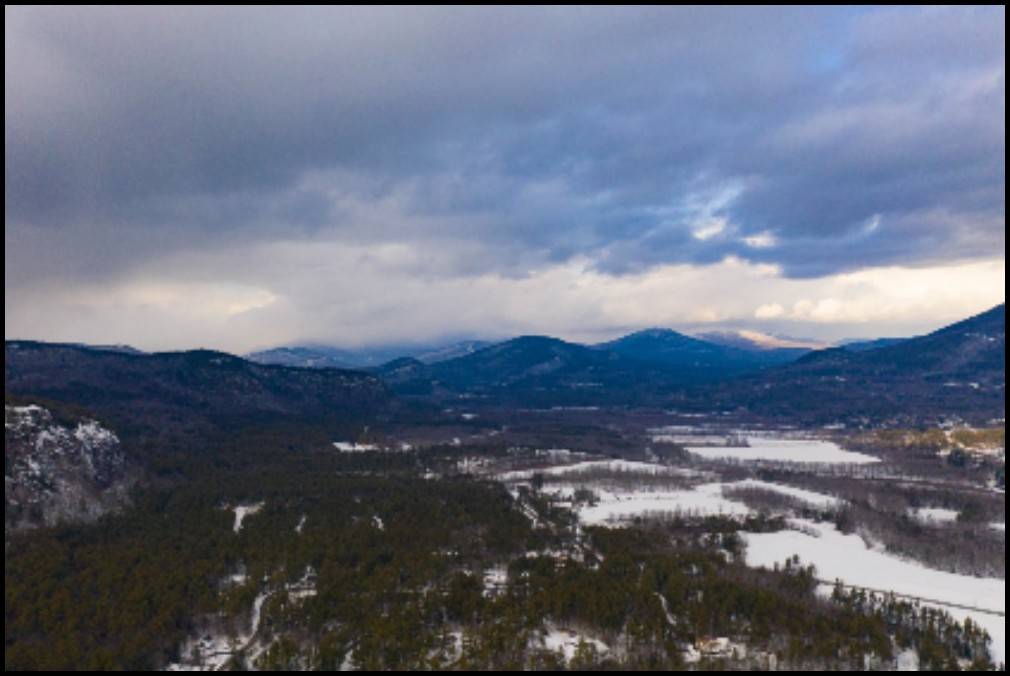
[[705, 500], [213, 652], [935, 515], [351, 447], [809, 497], [615, 505], [567, 643], [772, 449], [590, 466], [242, 512], [847, 558]]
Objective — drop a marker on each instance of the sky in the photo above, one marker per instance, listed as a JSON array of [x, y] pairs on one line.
[[240, 178]]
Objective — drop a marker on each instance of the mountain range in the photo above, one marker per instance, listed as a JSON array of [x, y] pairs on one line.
[[719, 355], [321, 356], [957, 371], [184, 390], [714, 356]]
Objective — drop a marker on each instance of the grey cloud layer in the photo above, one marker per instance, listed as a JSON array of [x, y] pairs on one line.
[[515, 137]]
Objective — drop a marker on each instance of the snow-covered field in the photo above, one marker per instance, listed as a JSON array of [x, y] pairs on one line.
[[773, 449], [351, 447], [847, 558], [590, 466], [811, 498], [616, 507], [836, 556], [935, 515]]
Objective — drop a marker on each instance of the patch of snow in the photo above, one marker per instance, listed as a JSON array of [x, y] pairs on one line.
[[471, 465], [24, 410], [935, 515], [659, 437], [704, 500], [809, 497], [351, 447], [495, 580], [378, 523], [908, 661], [587, 467], [91, 433], [998, 526], [242, 512], [257, 616], [720, 648], [847, 558], [556, 454], [776, 449], [670, 619], [208, 653], [567, 643], [213, 652], [614, 506], [300, 528], [34, 467], [16, 416], [691, 655], [305, 588]]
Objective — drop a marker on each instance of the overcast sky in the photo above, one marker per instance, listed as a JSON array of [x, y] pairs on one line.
[[242, 178]]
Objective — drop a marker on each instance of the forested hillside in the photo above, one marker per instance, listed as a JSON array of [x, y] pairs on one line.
[[187, 390], [333, 565]]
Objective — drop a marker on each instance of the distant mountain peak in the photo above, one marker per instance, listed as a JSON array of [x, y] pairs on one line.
[[748, 339], [322, 356]]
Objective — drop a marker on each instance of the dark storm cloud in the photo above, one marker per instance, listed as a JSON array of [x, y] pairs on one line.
[[846, 138]]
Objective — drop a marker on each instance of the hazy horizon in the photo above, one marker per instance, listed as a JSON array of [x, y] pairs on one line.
[[701, 333]]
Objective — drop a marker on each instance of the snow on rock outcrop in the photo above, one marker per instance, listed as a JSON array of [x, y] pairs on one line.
[[57, 472]]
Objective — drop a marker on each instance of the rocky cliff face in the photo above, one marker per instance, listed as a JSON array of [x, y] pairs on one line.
[[59, 472]]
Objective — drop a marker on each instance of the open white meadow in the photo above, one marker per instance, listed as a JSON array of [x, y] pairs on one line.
[[777, 449], [589, 466], [615, 505], [935, 515], [847, 558]]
